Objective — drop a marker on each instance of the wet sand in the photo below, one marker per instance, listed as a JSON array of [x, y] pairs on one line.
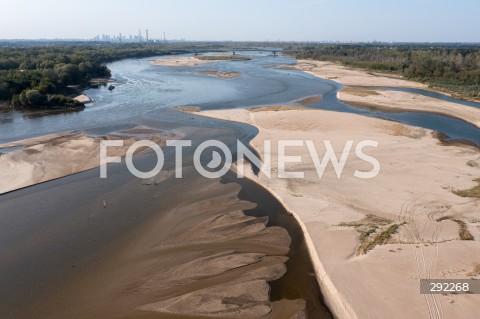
[[128, 248], [54, 156], [180, 61], [415, 190], [224, 75], [360, 91]]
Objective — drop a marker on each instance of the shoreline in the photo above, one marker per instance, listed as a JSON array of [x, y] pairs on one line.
[[337, 305], [330, 246], [334, 294], [359, 88], [121, 204], [44, 158]]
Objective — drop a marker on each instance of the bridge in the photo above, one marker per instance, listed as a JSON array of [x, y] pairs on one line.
[[234, 51]]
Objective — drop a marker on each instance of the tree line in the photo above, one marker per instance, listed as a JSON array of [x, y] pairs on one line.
[[454, 68], [47, 76]]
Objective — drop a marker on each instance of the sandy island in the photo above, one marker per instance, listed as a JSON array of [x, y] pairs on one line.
[[197, 60], [82, 98], [179, 61], [372, 240], [358, 91]]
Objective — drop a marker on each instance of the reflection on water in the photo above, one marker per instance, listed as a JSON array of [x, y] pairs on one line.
[[143, 91]]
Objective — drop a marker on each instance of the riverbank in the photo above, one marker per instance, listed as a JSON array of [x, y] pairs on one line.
[[44, 158], [197, 60], [360, 275], [151, 248], [360, 91], [179, 61]]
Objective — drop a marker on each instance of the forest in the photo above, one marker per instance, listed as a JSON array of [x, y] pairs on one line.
[[453, 68], [47, 76]]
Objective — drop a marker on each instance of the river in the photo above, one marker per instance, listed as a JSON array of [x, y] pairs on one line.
[[55, 234], [144, 90]]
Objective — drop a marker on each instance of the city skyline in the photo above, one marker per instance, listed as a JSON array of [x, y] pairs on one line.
[[214, 20]]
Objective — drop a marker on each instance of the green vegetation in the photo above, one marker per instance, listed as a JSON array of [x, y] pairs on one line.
[[473, 192], [463, 232], [47, 76], [369, 242], [475, 271], [452, 68], [373, 231], [472, 163], [369, 220], [56, 71]]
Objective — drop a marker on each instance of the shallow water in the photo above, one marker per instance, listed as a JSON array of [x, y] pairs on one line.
[[53, 233], [143, 91]]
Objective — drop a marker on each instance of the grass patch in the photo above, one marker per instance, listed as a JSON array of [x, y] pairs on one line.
[[473, 192], [365, 234], [373, 231], [441, 219], [472, 163], [223, 58], [370, 242], [475, 271], [369, 220], [463, 231]]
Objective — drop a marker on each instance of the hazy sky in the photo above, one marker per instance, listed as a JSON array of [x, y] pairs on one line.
[[316, 20]]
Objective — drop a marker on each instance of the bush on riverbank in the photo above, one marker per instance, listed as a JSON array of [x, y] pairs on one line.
[[449, 67], [49, 75]]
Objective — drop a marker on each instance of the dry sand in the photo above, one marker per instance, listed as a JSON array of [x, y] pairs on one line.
[[180, 61], [402, 101], [358, 91], [82, 98], [352, 76], [53, 156], [413, 190]]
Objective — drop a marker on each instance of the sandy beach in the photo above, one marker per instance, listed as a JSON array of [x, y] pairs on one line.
[[343, 218], [83, 98], [358, 91], [370, 241], [199, 60], [179, 61], [48, 157]]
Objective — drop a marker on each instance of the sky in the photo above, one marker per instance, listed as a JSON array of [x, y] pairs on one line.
[[242, 20]]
